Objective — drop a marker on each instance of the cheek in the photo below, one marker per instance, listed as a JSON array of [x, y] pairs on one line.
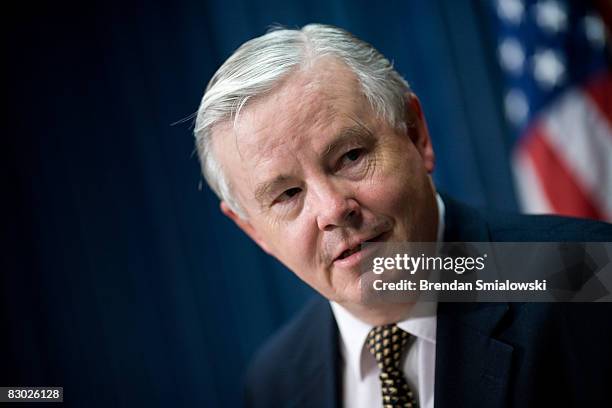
[[295, 246], [390, 197], [396, 182]]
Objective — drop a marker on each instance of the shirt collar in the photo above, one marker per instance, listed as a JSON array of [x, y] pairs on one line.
[[353, 333], [421, 322]]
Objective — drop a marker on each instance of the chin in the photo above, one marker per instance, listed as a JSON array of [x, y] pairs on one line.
[[353, 296], [350, 300]]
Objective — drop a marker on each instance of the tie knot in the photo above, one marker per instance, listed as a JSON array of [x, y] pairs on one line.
[[387, 343]]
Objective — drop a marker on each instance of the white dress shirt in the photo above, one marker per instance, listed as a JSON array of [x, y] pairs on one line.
[[361, 385]]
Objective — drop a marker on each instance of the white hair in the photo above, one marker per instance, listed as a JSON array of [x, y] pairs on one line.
[[261, 64]]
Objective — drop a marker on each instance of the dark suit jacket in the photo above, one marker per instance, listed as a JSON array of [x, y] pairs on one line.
[[487, 355]]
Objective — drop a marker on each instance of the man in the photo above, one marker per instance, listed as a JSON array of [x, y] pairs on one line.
[[316, 145]]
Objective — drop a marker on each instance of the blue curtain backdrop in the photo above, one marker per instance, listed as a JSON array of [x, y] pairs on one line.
[[121, 281]]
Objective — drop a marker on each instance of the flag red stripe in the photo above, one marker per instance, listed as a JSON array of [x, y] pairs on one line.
[[560, 186], [599, 90]]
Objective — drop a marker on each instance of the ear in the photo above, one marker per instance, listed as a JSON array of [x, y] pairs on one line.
[[417, 130], [245, 226]]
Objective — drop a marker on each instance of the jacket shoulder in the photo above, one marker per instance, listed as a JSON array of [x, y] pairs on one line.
[[466, 223], [274, 371], [544, 228]]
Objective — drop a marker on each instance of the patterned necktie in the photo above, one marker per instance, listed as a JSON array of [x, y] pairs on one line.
[[387, 344]]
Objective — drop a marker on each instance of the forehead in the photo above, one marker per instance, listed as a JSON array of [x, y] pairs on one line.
[[309, 101], [279, 131]]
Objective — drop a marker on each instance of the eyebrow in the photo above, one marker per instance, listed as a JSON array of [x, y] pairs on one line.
[[357, 132], [346, 135], [263, 189]]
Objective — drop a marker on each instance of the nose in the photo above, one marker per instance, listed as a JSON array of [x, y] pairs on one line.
[[336, 209]]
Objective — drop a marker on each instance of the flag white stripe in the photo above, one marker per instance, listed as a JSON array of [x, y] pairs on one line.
[[582, 138], [531, 196]]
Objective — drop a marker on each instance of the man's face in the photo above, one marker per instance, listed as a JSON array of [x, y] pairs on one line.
[[318, 173]]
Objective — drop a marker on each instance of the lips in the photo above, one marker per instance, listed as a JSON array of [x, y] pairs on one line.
[[355, 247], [349, 252]]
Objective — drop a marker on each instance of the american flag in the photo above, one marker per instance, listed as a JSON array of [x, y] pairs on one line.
[[556, 65]]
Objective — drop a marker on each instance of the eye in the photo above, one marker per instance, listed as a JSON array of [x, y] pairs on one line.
[[351, 157], [288, 194], [354, 154]]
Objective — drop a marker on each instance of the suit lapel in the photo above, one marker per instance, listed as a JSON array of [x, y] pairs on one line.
[[472, 366], [317, 364]]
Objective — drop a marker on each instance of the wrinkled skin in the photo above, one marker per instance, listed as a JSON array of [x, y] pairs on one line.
[[317, 171]]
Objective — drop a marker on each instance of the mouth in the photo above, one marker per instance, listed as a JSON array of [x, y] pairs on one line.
[[347, 253]]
